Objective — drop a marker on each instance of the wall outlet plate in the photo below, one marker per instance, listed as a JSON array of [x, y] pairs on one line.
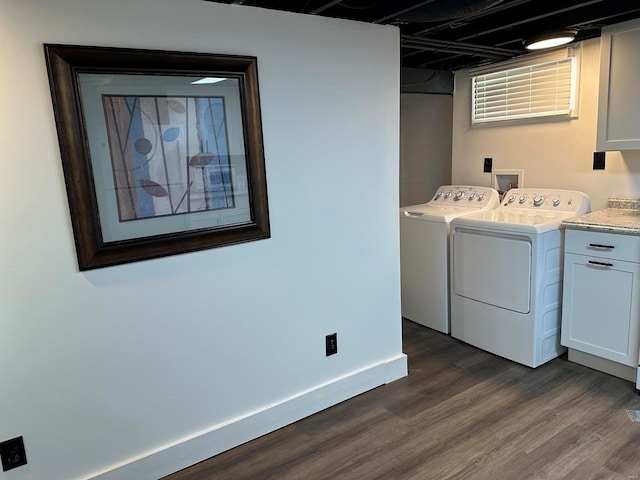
[[598, 160], [12, 454], [488, 165], [332, 344]]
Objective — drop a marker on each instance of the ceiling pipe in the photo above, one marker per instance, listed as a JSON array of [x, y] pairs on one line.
[[447, 10], [451, 49], [408, 9], [606, 18], [439, 60], [529, 20], [461, 21], [326, 6], [471, 47]]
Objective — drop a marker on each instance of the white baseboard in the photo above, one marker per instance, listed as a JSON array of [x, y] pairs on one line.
[[219, 438]]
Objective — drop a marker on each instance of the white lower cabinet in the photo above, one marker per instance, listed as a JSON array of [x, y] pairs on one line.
[[601, 295]]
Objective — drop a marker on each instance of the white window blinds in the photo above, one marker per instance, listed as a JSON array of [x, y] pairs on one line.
[[538, 90]]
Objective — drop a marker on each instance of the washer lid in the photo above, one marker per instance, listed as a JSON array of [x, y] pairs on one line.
[[521, 220], [451, 201], [435, 213]]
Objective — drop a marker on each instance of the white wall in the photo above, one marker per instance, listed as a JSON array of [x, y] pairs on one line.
[[425, 145], [555, 154], [164, 362]]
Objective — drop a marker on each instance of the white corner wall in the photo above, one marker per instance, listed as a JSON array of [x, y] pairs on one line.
[[556, 154], [138, 370]]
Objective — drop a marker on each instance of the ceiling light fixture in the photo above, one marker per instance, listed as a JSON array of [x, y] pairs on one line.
[[550, 40]]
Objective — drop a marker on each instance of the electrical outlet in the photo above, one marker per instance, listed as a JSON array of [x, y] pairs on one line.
[[332, 344], [598, 160], [488, 164], [12, 453]]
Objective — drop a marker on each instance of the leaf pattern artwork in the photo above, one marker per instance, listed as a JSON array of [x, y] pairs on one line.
[[143, 146], [169, 155], [176, 105], [171, 134], [201, 159], [153, 189]]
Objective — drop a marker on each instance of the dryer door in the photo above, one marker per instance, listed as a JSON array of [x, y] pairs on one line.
[[492, 268]]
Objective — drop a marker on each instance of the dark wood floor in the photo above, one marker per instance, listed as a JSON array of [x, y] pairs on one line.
[[460, 414]]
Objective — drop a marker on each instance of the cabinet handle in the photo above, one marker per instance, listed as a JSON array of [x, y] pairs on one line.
[[605, 247], [600, 264]]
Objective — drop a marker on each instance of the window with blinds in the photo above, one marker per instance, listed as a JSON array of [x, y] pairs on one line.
[[538, 90]]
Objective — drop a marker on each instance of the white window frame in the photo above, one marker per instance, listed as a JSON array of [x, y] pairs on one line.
[[519, 71]]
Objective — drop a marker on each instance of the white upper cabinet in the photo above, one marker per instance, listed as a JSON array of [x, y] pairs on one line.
[[619, 96]]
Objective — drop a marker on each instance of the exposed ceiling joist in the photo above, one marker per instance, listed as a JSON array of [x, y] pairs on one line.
[[324, 7], [474, 16], [455, 34], [523, 21], [398, 13]]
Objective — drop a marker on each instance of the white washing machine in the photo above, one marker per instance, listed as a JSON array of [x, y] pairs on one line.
[[424, 251], [506, 274]]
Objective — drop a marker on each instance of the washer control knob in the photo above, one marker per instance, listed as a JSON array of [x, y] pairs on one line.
[[447, 195], [438, 195], [512, 198], [481, 197], [459, 196], [538, 200], [472, 196], [523, 199], [556, 202]]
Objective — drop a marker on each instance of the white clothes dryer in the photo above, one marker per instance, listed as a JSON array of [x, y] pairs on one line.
[[424, 251], [506, 274]]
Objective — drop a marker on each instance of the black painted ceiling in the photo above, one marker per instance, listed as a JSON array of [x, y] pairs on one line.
[[455, 34]]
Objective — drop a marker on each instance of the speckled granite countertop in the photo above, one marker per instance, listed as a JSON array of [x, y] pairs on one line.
[[622, 215]]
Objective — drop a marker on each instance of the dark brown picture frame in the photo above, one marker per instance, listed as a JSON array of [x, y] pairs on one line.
[[66, 65]]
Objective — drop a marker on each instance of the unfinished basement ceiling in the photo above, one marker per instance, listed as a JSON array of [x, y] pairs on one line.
[[456, 34]]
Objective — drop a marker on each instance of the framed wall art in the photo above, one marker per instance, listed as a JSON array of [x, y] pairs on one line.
[[161, 151]]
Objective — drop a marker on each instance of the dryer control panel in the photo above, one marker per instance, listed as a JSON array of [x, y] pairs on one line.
[[566, 201]]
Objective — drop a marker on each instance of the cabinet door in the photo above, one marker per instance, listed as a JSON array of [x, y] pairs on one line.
[[600, 311], [618, 99]]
